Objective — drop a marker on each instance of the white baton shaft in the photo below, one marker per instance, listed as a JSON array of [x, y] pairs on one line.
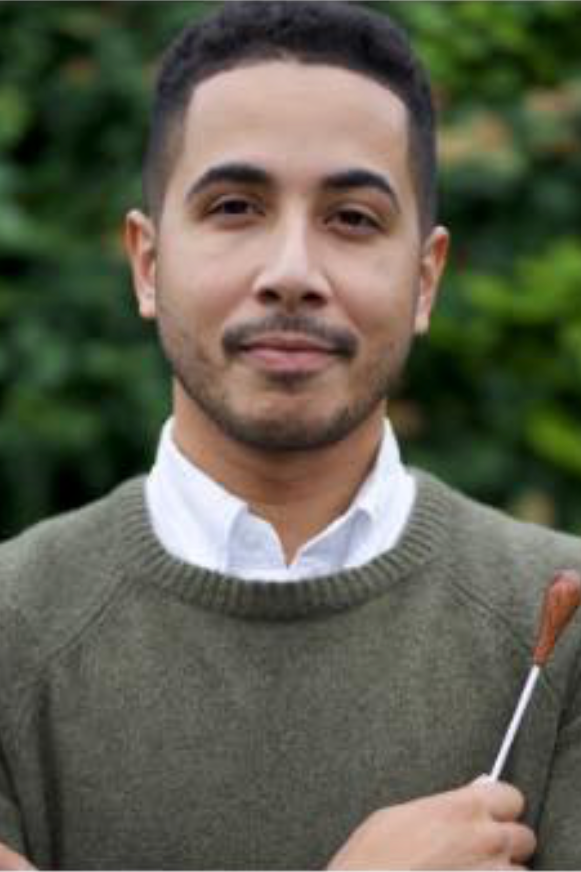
[[517, 717]]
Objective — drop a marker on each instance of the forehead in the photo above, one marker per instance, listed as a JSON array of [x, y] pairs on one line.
[[295, 116]]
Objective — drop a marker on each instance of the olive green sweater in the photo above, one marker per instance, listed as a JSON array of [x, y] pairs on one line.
[[157, 715]]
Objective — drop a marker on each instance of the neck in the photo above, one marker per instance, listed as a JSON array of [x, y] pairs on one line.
[[298, 492]]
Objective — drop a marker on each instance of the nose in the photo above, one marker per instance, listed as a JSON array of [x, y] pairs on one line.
[[291, 275]]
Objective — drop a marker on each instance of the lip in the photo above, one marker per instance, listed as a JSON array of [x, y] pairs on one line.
[[293, 342], [289, 353]]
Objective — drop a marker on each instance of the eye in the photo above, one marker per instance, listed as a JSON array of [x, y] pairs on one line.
[[356, 220], [232, 207]]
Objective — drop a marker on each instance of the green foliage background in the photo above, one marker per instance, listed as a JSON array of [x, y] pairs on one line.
[[493, 398]]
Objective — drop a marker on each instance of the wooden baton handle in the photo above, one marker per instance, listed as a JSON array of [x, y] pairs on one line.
[[561, 600]]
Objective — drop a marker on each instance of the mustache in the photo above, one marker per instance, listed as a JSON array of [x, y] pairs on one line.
[[342, 341]]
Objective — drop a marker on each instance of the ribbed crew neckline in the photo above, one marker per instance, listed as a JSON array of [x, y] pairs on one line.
[[142, 559]]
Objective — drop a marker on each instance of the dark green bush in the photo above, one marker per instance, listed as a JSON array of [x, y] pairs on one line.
[[493, 398]]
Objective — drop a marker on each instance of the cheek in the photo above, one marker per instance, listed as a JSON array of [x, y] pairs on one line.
[[196, 285], [380, 299]]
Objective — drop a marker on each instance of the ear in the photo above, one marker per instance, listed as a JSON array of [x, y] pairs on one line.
[[140, 244], [435, 251]]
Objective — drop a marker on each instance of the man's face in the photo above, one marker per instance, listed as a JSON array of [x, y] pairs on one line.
[[287, 271]]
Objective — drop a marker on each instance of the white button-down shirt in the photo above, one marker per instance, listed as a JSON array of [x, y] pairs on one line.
[[201, 523]]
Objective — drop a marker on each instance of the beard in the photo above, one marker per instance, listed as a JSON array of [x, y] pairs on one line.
[[257, 426]]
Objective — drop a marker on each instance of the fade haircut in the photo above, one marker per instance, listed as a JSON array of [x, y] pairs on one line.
[[331, 32]]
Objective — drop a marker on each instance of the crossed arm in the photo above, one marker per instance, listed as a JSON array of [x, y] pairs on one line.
[[473, 827]]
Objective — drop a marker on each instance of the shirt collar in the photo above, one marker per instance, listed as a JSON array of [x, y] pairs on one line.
[[204, 523], [197, 496]]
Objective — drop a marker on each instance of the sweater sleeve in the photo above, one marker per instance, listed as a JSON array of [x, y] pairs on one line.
[[11, 833], [13, 677], [559, 832]]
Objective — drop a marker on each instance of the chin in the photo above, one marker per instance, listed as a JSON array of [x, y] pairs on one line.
[[288, 430]]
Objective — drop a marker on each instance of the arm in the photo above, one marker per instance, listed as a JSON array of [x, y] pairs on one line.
[[473, 827], [10, 827], [560, 824]]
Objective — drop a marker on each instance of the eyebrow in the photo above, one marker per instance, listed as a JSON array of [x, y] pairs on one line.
[[249, 174], [347, 180]]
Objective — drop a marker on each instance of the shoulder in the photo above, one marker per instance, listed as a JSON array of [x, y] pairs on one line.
[[490, 534], [55, 575], [499, 563]]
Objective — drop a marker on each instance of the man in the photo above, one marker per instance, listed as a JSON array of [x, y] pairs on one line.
[[283, 649]]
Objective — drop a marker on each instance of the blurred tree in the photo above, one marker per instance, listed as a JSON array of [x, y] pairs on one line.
[[493, 398], [497, 388]]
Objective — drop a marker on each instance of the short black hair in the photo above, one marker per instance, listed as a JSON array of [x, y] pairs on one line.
[[331, 32]]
